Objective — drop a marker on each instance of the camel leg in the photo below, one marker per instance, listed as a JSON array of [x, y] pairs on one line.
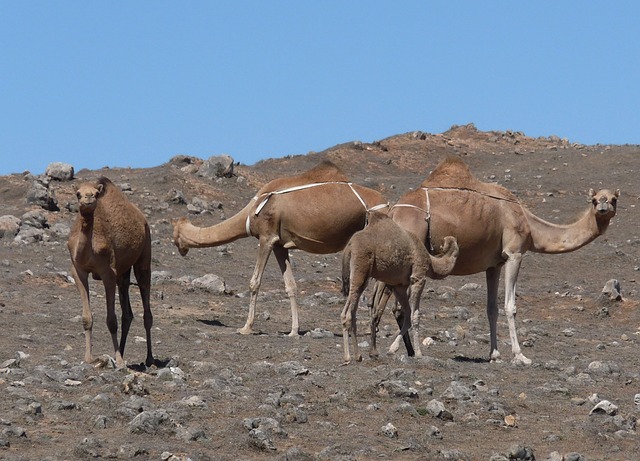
[[82, 282], [348, 316], [414, 301], [109, 281], [512, 267], [399, 315], [381, 298], [123, 282], [264, 250], [143, 276], [282, 256], [493, 281], [381, 294], [403, 299]]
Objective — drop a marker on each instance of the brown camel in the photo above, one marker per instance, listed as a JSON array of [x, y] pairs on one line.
[[109, 237], [493, 230], [317, 211], [388, 253]]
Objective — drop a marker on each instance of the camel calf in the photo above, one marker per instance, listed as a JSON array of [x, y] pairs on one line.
[[388, 253], [109, 237]]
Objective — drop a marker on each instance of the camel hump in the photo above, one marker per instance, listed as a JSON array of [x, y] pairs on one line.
[[451, 172], [324, 171]]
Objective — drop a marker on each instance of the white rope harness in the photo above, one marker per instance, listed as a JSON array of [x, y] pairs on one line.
[[267, 195]]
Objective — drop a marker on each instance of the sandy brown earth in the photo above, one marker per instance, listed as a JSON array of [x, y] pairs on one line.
[[217, 395]]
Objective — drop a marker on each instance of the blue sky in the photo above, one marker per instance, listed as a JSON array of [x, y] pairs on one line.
[[134, 83]]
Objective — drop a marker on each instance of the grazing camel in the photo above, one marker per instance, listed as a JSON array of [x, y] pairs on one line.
[[493, 230], [109, 237], [388, 253], [317, 211]]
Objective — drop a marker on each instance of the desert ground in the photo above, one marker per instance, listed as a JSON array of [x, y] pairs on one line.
[[214, 394]]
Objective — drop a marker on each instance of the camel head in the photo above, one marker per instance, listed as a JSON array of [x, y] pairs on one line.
[[443, 264], [88, 194], [177, 225], [604, 203]]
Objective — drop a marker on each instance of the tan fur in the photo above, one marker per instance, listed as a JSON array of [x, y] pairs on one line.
[[110, 236], [318, 220], [493, 230], [391, 255]]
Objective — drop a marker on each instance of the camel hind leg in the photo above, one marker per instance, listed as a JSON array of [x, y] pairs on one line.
[[143, 276], [381, 295], [403, 298], [123, 282], [493, 281]]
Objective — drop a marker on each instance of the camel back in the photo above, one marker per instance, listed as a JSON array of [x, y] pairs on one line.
[[453, 173], [324, 172]]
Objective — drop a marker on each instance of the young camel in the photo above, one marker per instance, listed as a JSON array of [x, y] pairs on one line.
[[493, 230], [388, 253], [317, 211], [109, 237]]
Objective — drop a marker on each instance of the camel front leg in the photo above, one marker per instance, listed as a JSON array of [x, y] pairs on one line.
[[512, 267], [282, 256], [493, 281], [348, 319], [82, 282], [264, 250], [109, 281]]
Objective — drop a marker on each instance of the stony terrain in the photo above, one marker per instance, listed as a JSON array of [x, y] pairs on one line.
[[217, 395]]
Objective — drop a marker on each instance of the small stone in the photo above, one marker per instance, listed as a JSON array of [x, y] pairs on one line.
[[605, 407], [389, 430]]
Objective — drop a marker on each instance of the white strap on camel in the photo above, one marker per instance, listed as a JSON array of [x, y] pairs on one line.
[[267, 196], [427, 211]]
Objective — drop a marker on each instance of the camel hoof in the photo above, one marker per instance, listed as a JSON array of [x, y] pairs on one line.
[[294, 334], [521, 360], [244, 331], [374, 355]]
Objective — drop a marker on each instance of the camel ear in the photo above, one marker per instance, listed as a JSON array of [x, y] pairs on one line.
[[100, 189], [617, 193], [592, 193]]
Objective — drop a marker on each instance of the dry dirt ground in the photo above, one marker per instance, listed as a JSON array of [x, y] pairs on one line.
[[217, 395]]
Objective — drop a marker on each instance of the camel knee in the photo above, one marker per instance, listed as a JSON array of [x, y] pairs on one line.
[[87, 322], [148, 320]]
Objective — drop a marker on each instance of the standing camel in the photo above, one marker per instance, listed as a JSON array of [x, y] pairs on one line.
[[394, 256], [493, 230], [317, 211], [109, 237]]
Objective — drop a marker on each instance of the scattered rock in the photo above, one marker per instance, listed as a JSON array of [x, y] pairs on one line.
[[9, 226], [60, 171], [219, 166]]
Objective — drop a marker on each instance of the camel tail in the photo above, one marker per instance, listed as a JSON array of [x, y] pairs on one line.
[[346, 270]]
